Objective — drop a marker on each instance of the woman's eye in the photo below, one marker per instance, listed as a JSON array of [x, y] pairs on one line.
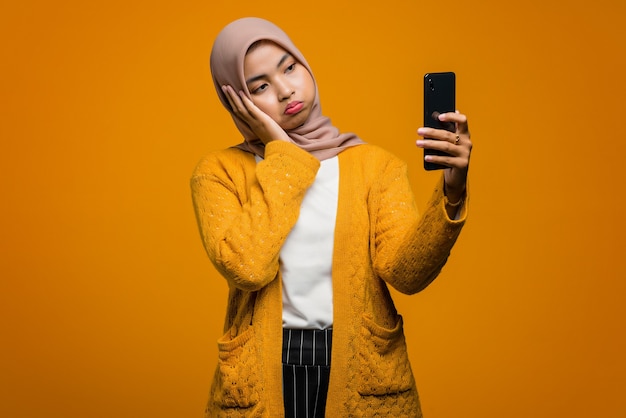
[[290, 68], [259, 89]]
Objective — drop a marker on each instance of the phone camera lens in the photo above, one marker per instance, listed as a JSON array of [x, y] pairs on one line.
[[431, 84]]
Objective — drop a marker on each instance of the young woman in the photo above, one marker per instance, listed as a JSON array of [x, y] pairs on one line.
[[309, 226]]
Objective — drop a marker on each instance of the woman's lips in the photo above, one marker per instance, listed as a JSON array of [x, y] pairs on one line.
[[293, 108]]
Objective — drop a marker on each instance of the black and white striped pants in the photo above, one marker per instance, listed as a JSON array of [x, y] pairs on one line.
[[306, 369]]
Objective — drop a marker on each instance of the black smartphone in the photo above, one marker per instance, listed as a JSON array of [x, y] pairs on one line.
[[439, 97]]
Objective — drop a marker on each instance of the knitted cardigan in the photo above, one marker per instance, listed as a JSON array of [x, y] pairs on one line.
[[246, 210]]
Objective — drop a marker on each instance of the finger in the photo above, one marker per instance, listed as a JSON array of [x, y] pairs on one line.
[[440, 134], [448, 161], [448, 126], [232, 98], [249, 105], [453, 117], [459, 119], [243, 110], [440, 160], [461, 150], [438, 147]]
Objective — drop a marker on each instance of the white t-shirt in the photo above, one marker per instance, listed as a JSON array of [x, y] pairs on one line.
[[307, 255]]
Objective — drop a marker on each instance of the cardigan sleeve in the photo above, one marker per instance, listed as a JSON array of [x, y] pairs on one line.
[[410, 250], [244, 214]]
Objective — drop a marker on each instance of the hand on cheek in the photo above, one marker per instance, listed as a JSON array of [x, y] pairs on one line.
[[261, 124]]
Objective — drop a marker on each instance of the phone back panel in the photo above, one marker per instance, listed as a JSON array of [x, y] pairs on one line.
[[439, 97]]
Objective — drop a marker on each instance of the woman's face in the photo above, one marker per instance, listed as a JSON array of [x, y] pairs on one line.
[[279, 85]]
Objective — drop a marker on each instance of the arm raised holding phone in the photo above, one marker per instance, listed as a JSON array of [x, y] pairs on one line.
[[447, 144]]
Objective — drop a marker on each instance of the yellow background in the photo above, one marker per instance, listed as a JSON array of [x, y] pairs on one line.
[[109, 305]]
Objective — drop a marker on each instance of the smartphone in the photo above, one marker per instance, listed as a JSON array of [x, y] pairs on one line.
[[439, 97]]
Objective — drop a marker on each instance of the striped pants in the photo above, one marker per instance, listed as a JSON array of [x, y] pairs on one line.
[[306, 369]]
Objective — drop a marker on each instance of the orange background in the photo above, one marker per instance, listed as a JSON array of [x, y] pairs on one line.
[[109, 305]]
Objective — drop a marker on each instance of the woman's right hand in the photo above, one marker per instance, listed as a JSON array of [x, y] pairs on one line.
[[261, 124]]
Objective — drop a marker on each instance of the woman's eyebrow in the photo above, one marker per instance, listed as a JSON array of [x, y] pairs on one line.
[[282, 60], [260, 76]]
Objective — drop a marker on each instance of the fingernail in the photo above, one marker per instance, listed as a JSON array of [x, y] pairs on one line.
[[420, 131], [420, 143]]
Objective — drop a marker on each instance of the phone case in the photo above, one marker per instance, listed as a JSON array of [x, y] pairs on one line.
[[439, 97]]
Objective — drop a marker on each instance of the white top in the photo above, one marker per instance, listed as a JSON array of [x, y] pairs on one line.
[[307, 254]]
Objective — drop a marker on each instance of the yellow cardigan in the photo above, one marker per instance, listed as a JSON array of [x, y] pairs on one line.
[[245, 211]]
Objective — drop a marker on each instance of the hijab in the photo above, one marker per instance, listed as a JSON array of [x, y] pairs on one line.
[[317, 135]]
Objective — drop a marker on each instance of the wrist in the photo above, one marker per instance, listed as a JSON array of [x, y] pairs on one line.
[[453, 197], [453, 203]]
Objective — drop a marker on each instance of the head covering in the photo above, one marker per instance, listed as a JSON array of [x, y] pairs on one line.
[[317, 135]]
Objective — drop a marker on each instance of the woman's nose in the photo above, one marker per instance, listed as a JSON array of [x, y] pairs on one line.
[[285, 91]]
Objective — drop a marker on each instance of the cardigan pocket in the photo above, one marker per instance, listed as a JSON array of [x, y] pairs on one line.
[[383, 360], [237, 378]]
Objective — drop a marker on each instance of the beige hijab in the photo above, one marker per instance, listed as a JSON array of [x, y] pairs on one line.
[[317, 135]]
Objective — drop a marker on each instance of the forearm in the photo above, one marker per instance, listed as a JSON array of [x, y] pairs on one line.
[[426, 250], [411, 257], [244, 222]]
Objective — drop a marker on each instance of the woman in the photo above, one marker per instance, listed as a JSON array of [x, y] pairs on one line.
[[308, 226]]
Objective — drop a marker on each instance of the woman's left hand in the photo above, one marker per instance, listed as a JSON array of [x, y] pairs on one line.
[[457, 145]]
